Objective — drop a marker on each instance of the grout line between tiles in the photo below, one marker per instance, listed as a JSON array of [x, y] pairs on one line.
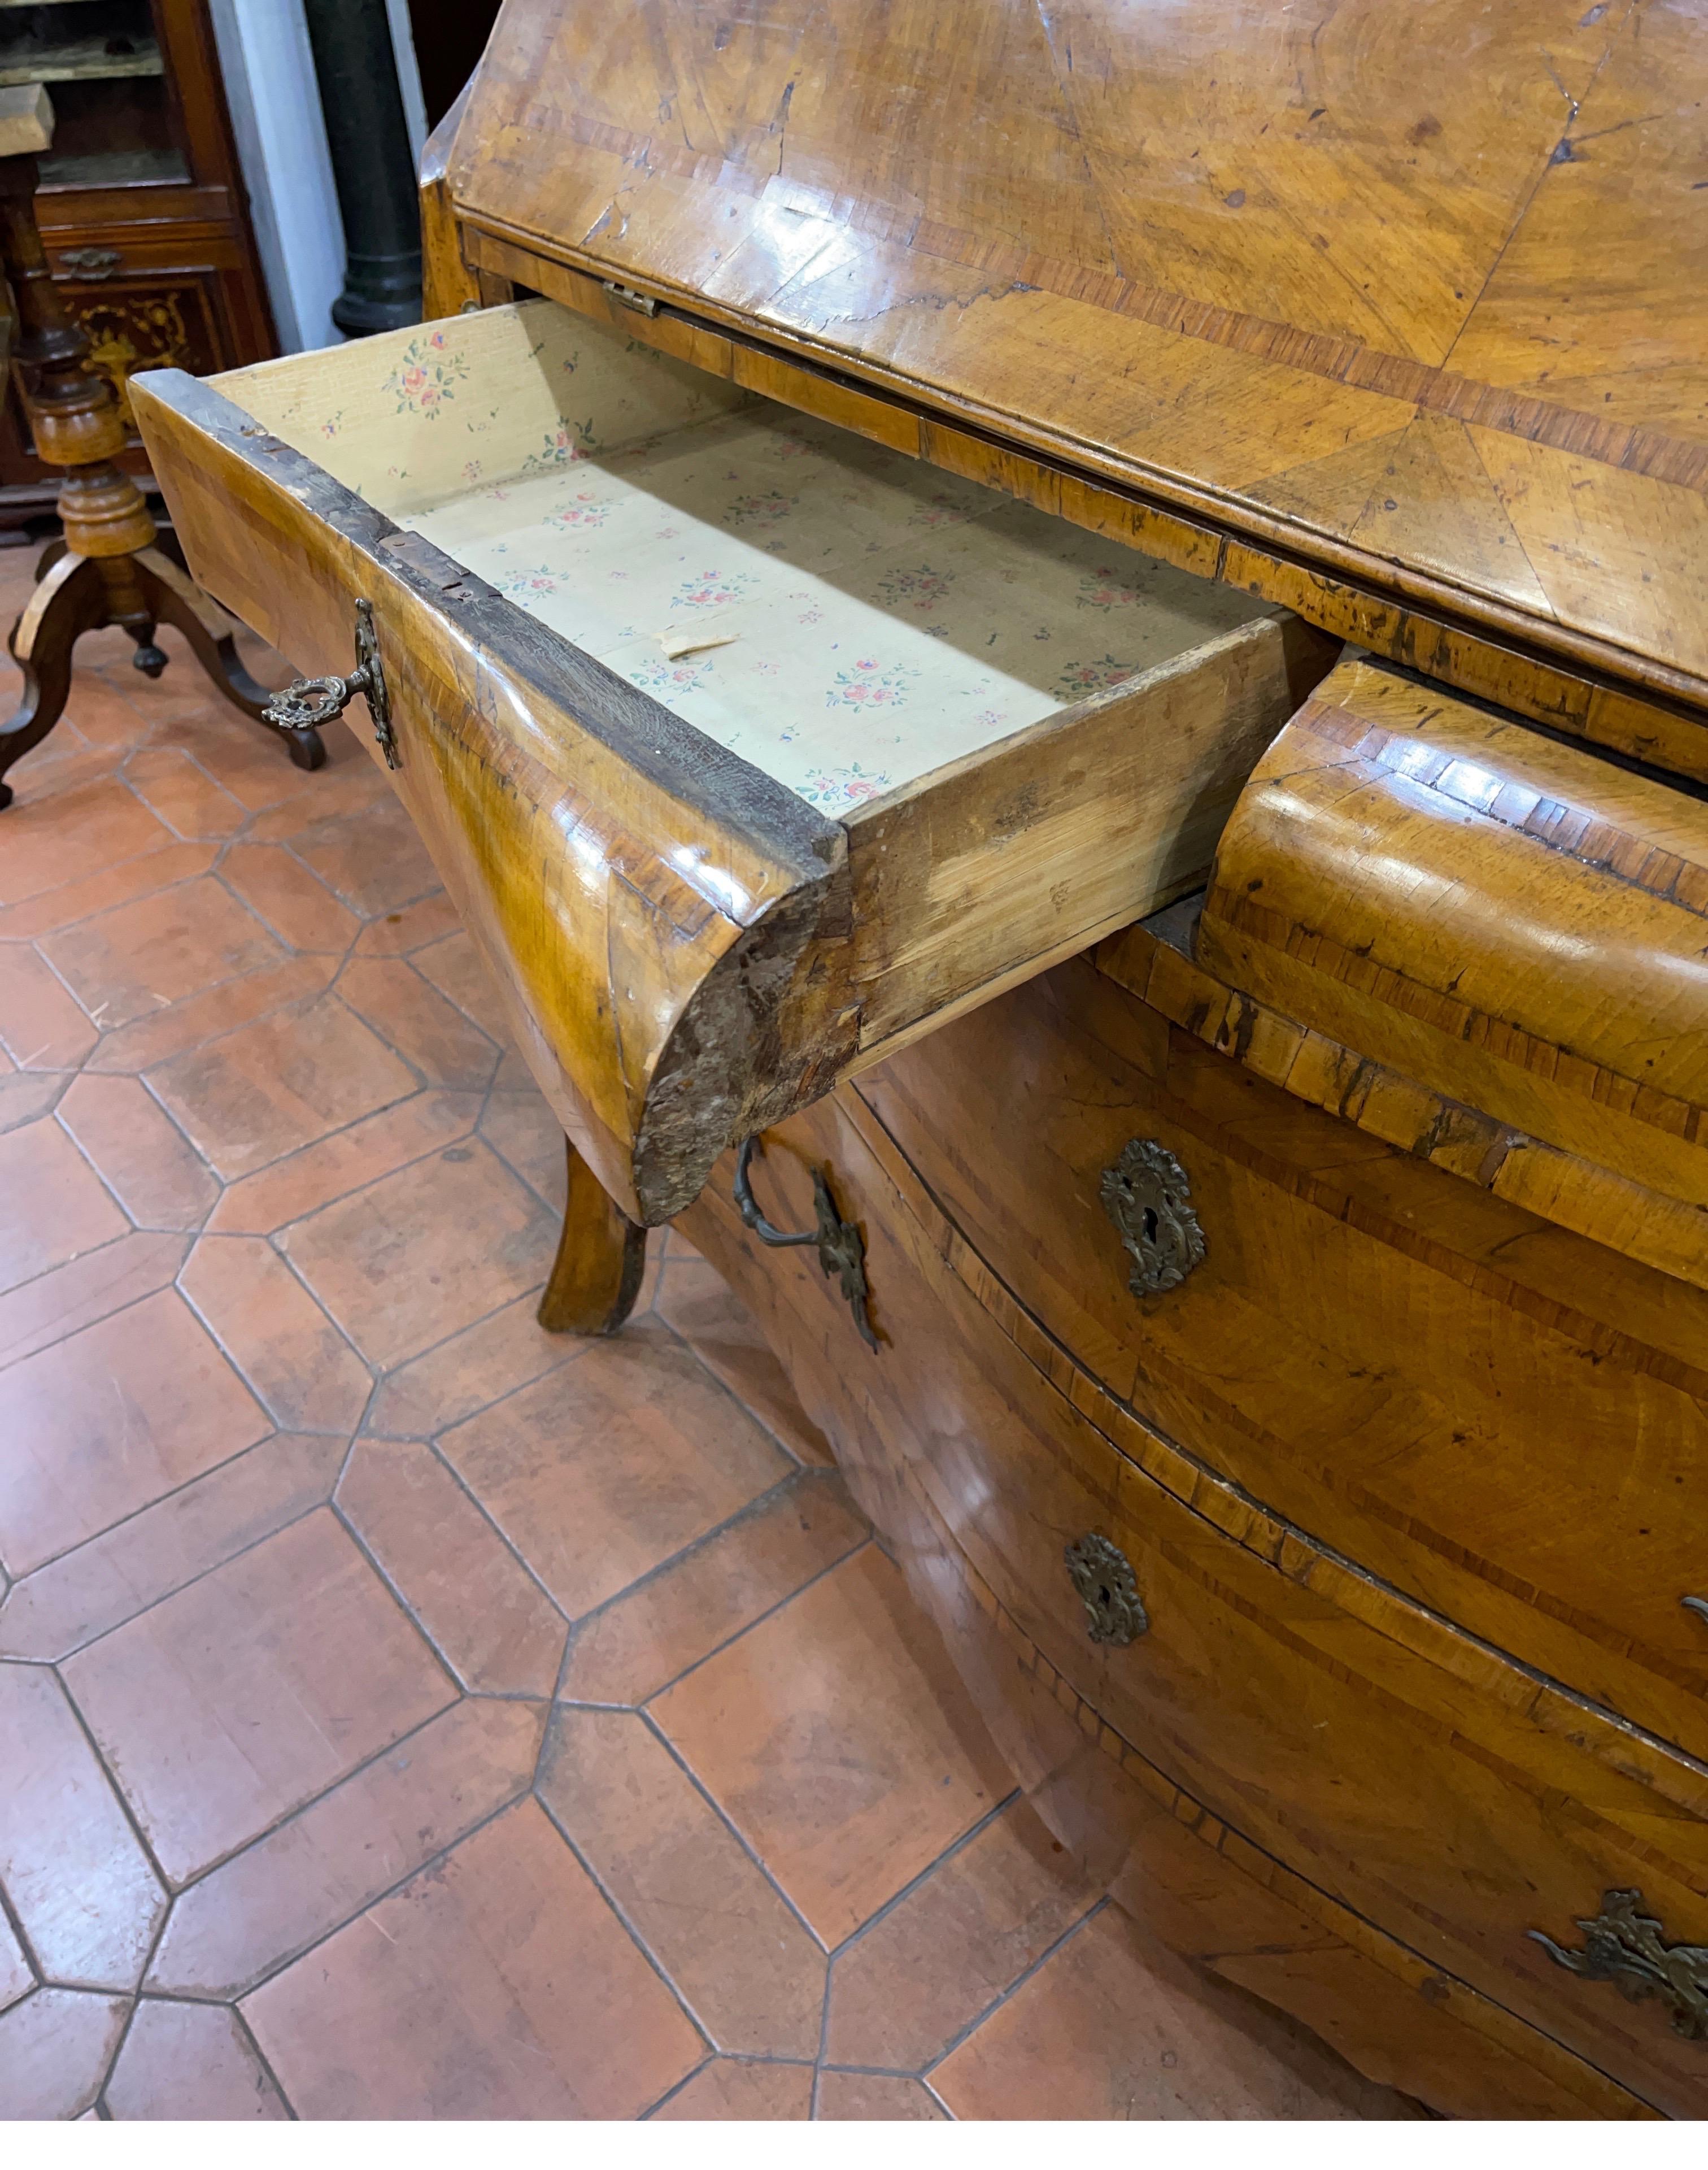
[[326, 1431], [189, 1582], [734, 1830], [54, 1559], [77, 1259], [367, 1183], [634, 1935], [760, 1504], [432, 1447], [1012, 1990], [671, 2092], [13, 1920], [265, 2062], [291, 1815], [433, 1860], [67, 1077], [134, 1228], [770, 1431], [959, 1845], [119, 1795], [759, 1619], [136, 859], [396, 1596]]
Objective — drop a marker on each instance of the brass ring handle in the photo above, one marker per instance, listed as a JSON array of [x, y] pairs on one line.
[[841, 1247], [1698, 1606], [308, 702], [1625, 1946]]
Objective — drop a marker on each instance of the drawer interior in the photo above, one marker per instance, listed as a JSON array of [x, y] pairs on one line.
[[846, 619], [749, 747]]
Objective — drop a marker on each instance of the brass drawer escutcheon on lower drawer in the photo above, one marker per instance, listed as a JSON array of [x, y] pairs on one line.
[[840, 1247], [1147, 1194], [1108, 1589], [1626, 1947]]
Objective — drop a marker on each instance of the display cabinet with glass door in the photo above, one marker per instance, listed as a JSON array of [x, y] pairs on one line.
[[142, 206]]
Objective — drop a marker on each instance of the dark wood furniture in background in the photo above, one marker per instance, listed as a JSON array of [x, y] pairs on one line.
[[142, 208], [1290, 1386], [110, 566]]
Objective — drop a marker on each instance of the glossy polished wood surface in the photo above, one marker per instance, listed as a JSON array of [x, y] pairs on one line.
[[1384, 1354], [1414, 295], [689, 948], [1516, 925], [1413, 1775]]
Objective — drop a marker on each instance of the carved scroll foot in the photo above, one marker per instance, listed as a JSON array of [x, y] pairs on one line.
[[77, 595], [70, 601], [601, 1255], [175, 600]]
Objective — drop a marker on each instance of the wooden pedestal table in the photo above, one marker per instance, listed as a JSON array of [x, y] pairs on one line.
[[112, 566]]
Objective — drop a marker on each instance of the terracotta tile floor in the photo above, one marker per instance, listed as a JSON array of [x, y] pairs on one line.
[[403, 1713]]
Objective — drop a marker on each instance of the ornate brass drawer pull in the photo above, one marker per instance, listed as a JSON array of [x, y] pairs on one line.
[[1147, 1194], [841, 1247], [91, 263], [1625, 1948], [307, 702], [1104, 1576]]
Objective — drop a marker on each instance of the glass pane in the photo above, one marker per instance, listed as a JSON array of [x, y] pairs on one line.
[[103, 65]]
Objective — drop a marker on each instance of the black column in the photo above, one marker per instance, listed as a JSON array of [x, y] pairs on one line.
[[365, 130]]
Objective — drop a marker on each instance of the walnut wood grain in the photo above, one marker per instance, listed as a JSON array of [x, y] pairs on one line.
[[1384, 1355], [636, 997], [1421, 1780], [601, 1256], [1513, 924], [1523, 669], [1409, 300], [689, 949], [1649, 1246]]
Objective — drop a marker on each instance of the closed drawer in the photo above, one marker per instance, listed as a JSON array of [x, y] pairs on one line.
[[747, 747], [1496, 1416], [1429, 1784]]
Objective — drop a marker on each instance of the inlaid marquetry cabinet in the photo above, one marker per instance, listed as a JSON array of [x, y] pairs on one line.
[[1122, 840], [141, 204]]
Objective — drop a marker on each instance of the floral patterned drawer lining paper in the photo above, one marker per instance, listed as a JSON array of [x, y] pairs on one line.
[[875, 618]]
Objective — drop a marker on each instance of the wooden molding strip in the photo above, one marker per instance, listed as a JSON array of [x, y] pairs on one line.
[[1575, 682], [1660, 1232]]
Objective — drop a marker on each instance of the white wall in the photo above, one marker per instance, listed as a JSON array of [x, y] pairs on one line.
[[275, 102]]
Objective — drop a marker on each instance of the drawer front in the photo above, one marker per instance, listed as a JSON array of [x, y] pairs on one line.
[[1472, 1404], [1514, 923], [1415, 1775], [693, 944], [1204, 1889], [645, 912]]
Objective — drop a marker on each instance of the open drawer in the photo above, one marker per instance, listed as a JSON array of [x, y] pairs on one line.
[[747, 749]]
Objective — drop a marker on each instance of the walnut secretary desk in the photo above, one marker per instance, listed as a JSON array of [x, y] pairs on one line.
[[1089, 623]]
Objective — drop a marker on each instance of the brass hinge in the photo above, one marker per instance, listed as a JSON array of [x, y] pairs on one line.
[[642, 304]]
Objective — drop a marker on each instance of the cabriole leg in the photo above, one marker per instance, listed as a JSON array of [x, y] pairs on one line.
[[601, 1255]]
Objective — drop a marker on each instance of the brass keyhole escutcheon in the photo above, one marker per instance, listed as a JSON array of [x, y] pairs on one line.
[[1148, 1196], [1108, 1589]]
